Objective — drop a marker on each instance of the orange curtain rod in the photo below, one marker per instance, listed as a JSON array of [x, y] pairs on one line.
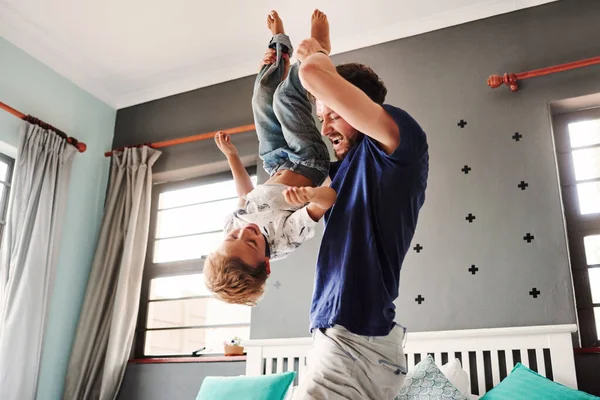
[[81, 147], [510, 80], [189, 139]]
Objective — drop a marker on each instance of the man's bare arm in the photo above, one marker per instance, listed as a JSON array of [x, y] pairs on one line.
[[320, 78]]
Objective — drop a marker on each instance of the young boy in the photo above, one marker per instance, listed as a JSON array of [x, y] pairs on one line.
[[273, 219]]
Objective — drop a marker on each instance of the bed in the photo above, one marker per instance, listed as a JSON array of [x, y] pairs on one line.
[[487, 355]]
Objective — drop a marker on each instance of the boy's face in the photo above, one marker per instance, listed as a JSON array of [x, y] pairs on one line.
[[339, 132], [246, 243]]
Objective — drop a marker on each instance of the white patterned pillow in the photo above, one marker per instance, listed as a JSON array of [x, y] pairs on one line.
[[426, 382]]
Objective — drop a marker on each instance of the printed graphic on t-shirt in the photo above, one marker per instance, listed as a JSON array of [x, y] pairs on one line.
[[285, 226]]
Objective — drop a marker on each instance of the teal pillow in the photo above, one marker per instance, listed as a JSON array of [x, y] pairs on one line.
[[264, 387], [525, 384], [425, 381]]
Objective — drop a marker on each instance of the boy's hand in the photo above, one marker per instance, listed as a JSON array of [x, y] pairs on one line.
[[323, 196], [224, 144]]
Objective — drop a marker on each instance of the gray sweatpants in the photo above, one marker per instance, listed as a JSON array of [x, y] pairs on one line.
[[342, 365]]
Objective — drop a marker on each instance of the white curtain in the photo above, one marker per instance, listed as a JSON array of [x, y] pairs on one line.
[[29, 253], [108, 317]]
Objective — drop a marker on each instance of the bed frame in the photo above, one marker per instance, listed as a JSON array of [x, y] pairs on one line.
[[487, 355]]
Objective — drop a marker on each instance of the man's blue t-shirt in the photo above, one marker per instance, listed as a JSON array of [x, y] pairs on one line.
[[368, 231]]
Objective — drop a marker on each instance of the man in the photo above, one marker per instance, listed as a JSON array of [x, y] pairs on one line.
[[380, 178]]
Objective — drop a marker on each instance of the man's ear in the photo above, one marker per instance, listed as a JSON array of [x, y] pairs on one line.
[[268, 265]]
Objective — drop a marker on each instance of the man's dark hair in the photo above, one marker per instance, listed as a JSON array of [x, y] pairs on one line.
[[365, 79]]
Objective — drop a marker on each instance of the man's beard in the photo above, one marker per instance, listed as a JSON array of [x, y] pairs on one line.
[[350, 143]]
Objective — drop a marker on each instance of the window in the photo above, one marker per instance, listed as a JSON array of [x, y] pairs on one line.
[[178, 315], [577, 138], [6, 172]]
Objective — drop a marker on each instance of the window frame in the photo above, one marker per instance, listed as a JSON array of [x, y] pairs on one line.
[[577, 225], [7, 183], [176, 268]]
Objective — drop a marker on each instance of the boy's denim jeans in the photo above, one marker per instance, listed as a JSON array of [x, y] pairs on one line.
[[287, 133]]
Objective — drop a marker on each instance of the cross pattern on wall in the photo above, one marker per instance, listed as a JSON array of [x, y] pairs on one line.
[[523, 185], [517, 136]]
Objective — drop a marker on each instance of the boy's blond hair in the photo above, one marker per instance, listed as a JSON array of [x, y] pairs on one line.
[[233, 281]]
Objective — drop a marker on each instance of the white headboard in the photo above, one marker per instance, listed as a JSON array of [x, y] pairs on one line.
[[486, 354]]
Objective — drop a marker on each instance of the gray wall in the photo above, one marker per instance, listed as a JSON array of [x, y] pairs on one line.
[[209, 109], [440, 78], [172, 381]]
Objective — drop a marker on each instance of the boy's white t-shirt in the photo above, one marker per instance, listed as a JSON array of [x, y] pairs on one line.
[[284, 225]]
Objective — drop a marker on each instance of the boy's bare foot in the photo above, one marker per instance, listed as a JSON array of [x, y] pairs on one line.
[[275, 23], [319, 29]]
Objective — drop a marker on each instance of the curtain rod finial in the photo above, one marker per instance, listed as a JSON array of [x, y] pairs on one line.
[[510, 80]]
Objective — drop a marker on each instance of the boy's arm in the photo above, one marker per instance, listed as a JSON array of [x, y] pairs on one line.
[[319, 199], [243, 183], [320, 78]]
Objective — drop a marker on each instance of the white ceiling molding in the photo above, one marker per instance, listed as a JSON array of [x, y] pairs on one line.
[[25, 34], [129, 52]]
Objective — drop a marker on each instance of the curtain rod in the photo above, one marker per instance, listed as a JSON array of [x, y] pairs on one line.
[[510, 80], [81, 147], [188, 139]]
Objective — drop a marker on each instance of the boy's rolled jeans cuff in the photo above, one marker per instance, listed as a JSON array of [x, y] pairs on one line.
[[284, 40], [282, 44]]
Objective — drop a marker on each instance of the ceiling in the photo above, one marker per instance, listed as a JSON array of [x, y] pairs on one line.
[[127, 52]]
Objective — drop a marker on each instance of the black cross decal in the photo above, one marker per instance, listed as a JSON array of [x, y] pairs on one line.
[[473, 269], [466, 169], [277, 285], [418, 248], [529, 237], [523, 185], [470, 218], [534, 292], [419, 299], [462, 123], [517, 136]]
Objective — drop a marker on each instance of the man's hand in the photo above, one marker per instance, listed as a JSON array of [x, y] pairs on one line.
[[299, 195], [224, 144], [308, 47], [323, 196], [269, 58]]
